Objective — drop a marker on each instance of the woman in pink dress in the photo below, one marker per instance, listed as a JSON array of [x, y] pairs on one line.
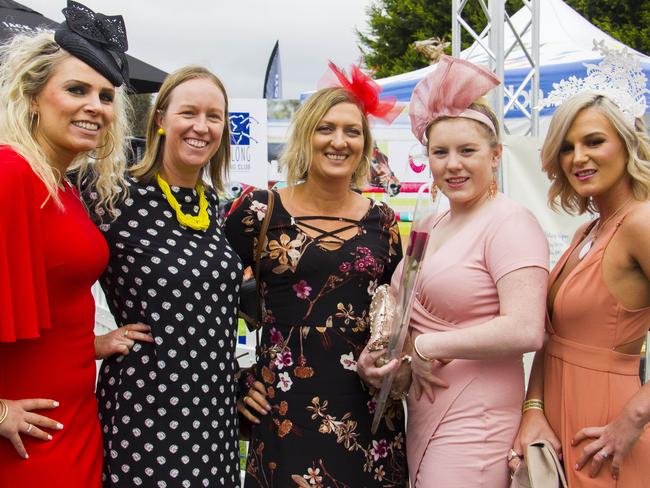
[[480, 299]]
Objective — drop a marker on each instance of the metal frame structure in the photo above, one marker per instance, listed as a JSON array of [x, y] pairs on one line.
[[491, 40]]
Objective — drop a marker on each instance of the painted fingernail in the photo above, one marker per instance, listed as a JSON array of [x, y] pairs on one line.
[[55, 403], [576, 467], [49, 437], [59, 426], [26, 456]]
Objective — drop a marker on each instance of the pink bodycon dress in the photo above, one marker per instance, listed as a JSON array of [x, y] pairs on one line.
[[463, 437]]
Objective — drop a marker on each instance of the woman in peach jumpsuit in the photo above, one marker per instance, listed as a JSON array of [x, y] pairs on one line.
[[594, 410]]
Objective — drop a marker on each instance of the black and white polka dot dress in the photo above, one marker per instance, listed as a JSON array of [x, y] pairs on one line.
[[168, 408]]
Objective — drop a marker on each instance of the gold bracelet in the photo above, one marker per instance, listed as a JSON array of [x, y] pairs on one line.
[[419, 354], [532, 404], [5, 411]]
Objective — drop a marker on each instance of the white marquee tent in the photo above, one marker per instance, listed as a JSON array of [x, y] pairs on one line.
[[566, 44]]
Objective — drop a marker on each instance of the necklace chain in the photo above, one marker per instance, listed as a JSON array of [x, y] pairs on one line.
[[196, 222], [598, 227]]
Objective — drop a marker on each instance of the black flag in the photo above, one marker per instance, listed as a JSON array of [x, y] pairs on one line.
[[273, 78]]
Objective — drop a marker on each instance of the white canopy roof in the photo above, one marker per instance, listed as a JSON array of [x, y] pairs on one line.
[[566, 44]]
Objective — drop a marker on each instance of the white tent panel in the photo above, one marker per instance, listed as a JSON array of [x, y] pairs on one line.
[[566, 44]]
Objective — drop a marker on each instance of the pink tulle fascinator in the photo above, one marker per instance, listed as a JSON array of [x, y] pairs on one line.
[[447, 92], [365, 90]]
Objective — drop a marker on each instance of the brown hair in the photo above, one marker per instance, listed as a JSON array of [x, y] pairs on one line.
[[481, 106], [149, 166]]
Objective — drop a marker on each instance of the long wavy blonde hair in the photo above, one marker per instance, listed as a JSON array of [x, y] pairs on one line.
[[634, 138], [27, 63], [149, 166], [297, 154]]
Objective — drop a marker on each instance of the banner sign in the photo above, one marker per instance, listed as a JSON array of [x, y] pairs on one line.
[[248, 142]]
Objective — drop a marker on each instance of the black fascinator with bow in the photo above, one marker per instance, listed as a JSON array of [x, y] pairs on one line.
[[98, 40]]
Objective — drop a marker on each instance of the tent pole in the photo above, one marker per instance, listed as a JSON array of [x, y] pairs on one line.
[[498, 53], [534, 96], [455, 28]]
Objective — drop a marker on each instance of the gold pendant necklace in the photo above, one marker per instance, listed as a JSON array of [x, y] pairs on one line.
[[196, 222], [588, 245]]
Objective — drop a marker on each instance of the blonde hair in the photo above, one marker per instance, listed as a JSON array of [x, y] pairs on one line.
[[27, 63], [481, 106], [634, 138], [149, 166], [297, 154]]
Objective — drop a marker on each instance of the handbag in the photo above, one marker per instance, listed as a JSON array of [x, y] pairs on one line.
[[542, 468], [250, 300], [381, 313]]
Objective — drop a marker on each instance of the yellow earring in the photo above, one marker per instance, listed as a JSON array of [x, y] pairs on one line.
[[161, 131]]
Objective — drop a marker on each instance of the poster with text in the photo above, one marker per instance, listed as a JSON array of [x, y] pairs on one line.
[[248, 142]]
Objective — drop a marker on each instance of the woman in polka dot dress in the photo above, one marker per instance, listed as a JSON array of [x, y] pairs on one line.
[[168, 407]]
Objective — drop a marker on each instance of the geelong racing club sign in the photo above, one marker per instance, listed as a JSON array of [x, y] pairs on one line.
[[248, 142]]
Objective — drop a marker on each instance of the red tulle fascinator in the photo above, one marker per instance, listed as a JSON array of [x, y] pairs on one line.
[[365, 90]]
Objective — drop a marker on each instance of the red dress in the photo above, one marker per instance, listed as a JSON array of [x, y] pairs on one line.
[[49, 258]]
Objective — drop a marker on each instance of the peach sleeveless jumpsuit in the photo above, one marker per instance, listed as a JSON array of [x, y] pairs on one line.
[[586, 382]]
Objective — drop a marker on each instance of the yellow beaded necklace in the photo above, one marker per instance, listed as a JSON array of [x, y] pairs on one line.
[[198, 222]]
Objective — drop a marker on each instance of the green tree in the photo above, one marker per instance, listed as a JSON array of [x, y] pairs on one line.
[[393, 25], [141, 104], [625, 20]]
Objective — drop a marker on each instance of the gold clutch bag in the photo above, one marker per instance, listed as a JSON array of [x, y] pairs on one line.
[[382, 313]]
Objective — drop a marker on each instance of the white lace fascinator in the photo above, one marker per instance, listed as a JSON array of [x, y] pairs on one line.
[[618, 77]]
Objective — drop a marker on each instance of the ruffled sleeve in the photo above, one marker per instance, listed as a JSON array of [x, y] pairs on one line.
[[24, 306]]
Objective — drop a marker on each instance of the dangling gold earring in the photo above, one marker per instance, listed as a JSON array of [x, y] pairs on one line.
[[434, 191], [161, 131], [492, 191]]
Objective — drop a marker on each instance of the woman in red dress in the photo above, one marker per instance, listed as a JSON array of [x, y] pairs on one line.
[[60, 100]]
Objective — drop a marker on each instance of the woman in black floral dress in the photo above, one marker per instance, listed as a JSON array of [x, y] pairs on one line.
[[327, 248]]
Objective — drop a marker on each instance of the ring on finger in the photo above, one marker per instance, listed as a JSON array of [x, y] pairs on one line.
[[512, 454], [29, 428], [603, 454]]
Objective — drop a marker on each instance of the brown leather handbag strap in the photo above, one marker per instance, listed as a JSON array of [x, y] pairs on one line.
[[260, 247], [261, 238]]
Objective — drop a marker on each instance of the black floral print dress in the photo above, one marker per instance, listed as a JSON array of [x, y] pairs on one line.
[[315, 327]]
